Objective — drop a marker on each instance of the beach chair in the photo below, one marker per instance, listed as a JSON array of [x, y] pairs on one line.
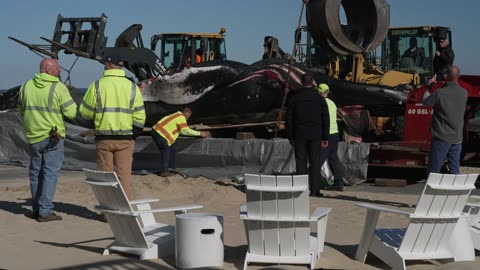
[[432, 232], [277, 221], [150, 241], [473, 209]]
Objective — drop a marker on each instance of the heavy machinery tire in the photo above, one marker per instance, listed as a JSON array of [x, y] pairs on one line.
[[366, 28]]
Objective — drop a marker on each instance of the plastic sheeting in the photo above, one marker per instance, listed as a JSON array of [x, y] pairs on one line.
[[212, 157]]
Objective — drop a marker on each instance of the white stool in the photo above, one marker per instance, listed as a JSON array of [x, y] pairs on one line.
[[199, 240]]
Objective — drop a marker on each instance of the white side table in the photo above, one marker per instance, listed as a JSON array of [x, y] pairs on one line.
[[199, 240]]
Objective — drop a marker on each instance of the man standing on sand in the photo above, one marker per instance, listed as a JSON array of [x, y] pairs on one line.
[[449, 103], [307, 123], [116, 106], [330, 153], [43, 102]]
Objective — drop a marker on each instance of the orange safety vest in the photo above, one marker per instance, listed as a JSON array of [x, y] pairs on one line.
[[198, 59], [170, 126]]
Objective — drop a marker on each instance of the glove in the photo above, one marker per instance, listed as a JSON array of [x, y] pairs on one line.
[[54, 135], [136, 131]]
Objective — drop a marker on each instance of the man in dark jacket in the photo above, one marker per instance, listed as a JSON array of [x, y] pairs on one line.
[[443, 59], [448, 104], [307, 122]]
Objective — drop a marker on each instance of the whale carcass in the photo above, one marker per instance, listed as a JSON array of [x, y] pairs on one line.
[[231, 92]]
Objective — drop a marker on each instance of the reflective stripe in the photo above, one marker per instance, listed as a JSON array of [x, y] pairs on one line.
[[88, 107], [99, 97], [132, 98], [140, 108], [116, 109], [183, 126], [42, 109], [169, 119], [138, 124], [163, 132], [50, 94], [113, 132], [66, 104]]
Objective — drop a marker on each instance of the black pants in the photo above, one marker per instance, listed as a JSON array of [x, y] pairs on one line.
[[330, 154], [309, 150], [167, 153]]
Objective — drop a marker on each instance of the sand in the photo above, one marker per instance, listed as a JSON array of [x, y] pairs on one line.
[[77, 241]]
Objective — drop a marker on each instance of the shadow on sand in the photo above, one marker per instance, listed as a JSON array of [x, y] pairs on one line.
[[233, 255], [24, 208]]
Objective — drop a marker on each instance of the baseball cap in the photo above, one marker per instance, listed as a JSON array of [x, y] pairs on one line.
[[322, 88], [114, 59]]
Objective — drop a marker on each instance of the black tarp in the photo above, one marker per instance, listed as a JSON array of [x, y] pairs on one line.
[[212, 157]]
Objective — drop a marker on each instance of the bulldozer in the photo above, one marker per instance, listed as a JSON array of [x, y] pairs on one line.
[[178, 50]]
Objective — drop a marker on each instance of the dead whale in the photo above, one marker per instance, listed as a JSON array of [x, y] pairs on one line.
[[231, 92]]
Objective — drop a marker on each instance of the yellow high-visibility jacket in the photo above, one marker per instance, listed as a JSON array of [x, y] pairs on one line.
[[332, 112], [43, 102], [170, 126], [115, 103]]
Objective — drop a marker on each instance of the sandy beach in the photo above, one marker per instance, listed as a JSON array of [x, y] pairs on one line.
[[77, 241]]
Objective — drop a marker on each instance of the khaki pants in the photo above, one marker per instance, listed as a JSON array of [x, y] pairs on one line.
[[120, 153]]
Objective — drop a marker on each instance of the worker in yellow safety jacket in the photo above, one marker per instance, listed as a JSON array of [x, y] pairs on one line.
[[166, 131], [116, 106], [43, 103], [330, 154]]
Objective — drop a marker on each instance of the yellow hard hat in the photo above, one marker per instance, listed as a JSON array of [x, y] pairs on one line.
[[322, 88]]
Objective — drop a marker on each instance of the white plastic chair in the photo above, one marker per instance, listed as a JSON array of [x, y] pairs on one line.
[[277, 221], [431, 232], [150, 241]]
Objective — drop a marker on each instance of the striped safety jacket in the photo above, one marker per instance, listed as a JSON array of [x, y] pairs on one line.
[[43, 102], [171, 126], [115, 104]]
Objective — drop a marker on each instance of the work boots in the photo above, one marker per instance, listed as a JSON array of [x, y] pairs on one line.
[[50, 217]]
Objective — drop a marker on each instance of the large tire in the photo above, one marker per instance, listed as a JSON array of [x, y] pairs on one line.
[[367, 24]]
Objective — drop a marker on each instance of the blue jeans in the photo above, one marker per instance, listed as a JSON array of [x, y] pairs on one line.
[[45, 163], [330, 154], [167, 153], [439, 151]]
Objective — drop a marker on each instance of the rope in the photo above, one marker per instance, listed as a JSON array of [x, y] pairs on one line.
[[69, 71], [287, 89]]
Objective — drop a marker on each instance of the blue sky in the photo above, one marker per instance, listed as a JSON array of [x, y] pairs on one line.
[[246, 21]]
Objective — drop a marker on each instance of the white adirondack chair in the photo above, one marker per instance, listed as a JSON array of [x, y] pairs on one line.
[[431, 233], [277, 221], [473, 209], [150, 241]]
